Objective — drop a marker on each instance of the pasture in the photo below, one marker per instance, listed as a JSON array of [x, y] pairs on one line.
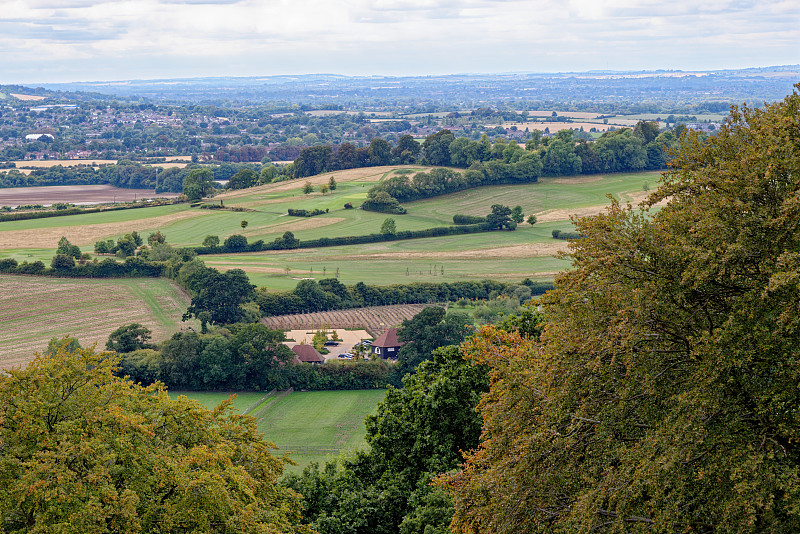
[[527, 252], [35, 309], [310, 426]]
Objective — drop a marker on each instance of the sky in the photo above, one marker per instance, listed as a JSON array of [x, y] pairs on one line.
[[90, 40]]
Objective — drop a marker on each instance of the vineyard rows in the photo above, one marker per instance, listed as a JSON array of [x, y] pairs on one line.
[[373, 319]]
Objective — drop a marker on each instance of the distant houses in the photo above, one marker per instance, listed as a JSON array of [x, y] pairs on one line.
[[387, 345]]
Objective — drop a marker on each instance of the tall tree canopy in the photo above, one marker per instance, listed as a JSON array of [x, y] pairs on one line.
[[665, 393], [82, 450]]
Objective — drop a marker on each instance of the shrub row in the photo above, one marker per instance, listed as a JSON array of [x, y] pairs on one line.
[[560, 234], [307, 213], [468, 219], [283, 243], [107, 268], [330, 294]]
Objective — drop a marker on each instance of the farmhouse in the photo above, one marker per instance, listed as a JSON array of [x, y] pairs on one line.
[[387, 345], [307, 354]]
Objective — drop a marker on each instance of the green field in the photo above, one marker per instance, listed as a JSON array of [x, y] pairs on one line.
[[35, 309], [527, 252], [312, 425]]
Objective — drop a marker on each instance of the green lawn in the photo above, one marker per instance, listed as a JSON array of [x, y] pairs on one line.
[[312, 425]]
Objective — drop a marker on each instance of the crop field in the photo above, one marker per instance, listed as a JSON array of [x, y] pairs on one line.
[[35, 309], [375, 319], [75, 194], [527, 252], [311, 426]]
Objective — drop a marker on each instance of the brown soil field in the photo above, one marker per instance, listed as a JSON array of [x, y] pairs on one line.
[[75, 194], [35, 309], [87, 234], [33, 98]]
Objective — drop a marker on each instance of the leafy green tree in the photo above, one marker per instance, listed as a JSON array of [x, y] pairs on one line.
[[235, 242], [516, 214], [211, 241], [437, 147], [663, 396], [129, 338], [68, 249], [243, 179], [417, 432], [430, 329], [389, 227], [156, 237], [243, 224], [531, 219], [62, 262], [86, 451], [220, 294], [198, 184], [407, 149], [332, 184], [308, 188], [500, 217], [324, 189]]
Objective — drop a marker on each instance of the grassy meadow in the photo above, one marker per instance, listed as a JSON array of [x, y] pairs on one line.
[[311, 426], [527, 252]]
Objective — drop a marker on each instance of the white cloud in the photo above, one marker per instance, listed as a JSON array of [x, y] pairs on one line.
[[51, 40]]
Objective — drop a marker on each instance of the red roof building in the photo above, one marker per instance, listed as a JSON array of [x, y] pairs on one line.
[[387, 345], [307, 354]]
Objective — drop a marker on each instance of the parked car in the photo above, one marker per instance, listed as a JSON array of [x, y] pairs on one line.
[[331, 343], [345, 356]]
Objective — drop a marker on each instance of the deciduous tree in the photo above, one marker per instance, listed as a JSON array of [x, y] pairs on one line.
[[86, 451], [664, 394]]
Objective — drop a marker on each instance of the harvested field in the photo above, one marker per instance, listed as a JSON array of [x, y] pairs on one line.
[[33, 98], [368, 174], [89, 233], [526, 250], [46, 164], [35, 309], [374, 319], [75, 194], [305, 223], [556, 126]]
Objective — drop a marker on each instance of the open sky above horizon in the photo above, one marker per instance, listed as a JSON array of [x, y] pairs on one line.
[[93, 40]]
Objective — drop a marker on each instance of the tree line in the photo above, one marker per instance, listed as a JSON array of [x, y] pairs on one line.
[[622, 150]]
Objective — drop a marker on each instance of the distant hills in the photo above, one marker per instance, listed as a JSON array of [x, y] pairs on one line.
[[753, 85]]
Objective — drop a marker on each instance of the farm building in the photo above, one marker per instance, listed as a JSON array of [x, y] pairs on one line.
[[387, 345], [307, 354]]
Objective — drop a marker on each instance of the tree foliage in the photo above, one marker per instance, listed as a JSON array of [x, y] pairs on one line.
[[86, 451], [664, 394]]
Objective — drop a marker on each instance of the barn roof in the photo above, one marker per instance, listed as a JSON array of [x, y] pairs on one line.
[[307, 353], [387, 339]]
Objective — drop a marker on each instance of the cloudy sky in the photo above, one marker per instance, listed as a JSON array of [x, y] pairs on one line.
[[90, 40]]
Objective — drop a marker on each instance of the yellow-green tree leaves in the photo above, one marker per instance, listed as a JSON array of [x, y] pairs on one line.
[[84, 451]]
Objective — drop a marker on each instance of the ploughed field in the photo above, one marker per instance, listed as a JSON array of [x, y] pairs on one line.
[[75, 194], [35, 309]]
